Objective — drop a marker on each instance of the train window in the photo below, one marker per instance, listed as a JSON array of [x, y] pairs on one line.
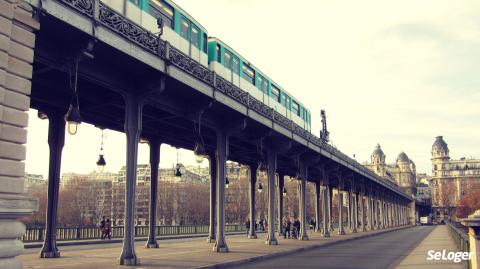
[[265, 86], [227, 59], [205, 43], [195, 36], [287, 102], [184, 28], [259, 82], [262, 84], [219, 54], [282, 98], [275, 93], [248, 74], [235, 65], [295, 108], [158, 8]]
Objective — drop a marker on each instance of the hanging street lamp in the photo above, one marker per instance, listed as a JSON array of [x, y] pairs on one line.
[[101, 159]]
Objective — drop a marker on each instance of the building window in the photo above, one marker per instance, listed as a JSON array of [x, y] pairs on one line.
[[158, 8]]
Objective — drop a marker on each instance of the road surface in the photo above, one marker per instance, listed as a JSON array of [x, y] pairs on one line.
[[380, 251]]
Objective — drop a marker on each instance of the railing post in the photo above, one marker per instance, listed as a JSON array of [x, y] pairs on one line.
[[473, 223], [41, 234]]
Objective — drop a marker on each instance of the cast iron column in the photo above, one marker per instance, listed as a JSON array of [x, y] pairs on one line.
[[325, 191], [370, 210], [341, 231], [133, 128], [349, 210], [222, 155], [281, 184], [303, 202], [317, 206], [253, 182], [56, 140], [154, 161], [213, 197], [355, 210], [362, 206], [271, 169], [330, 206], [382, 217]]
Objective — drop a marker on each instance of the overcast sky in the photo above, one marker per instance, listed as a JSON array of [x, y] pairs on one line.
[[398, 73]]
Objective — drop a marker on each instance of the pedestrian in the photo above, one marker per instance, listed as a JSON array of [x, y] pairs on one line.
[[108, 228], [102, 227], [247, 225], [260, 223], [288, 224], [296, 227]]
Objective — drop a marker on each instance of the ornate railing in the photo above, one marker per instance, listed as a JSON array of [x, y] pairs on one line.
[[460, 237], [37, 234], [104, 15]]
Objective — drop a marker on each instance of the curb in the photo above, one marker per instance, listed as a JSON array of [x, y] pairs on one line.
[[292, 251], [120, 240]]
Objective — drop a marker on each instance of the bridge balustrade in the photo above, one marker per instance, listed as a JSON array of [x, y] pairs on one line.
[[84, 233], [460, 236]]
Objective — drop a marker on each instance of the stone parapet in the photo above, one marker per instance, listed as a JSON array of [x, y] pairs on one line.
[[17, 41]]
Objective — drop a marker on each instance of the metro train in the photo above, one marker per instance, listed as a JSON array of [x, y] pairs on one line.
[[183, 32]]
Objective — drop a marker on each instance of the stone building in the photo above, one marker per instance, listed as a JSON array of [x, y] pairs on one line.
[[402, 172], [451, 179], [17, 41]]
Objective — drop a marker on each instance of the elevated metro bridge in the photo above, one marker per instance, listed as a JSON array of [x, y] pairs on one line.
[[132, 81]]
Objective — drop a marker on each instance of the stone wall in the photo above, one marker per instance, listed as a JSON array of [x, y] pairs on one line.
[[17, 41]]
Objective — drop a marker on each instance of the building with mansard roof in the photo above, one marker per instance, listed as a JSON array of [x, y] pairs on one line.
[[451, 179]]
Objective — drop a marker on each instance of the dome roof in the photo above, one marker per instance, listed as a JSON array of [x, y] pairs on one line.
[[378, 151], [402, 157], [439, 144]]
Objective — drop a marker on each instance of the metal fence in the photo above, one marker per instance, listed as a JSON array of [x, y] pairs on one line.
[[37, 234], [460, 236]]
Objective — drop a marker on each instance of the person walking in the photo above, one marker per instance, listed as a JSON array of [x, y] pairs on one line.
[[287, 225], [260, 223], [296, 227], [247, 225], [108, 229], [102, 227]]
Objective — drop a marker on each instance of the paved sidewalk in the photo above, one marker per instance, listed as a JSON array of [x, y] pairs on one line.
[[187, 254], [438, 240]]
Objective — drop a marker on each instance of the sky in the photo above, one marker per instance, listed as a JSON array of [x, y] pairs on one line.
[[397, 73]]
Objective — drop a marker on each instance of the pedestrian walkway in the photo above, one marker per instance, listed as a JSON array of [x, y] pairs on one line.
[[187, 254], [438, 240]]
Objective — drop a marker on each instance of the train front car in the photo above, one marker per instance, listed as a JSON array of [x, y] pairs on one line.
[[179, 29], [231, 66]]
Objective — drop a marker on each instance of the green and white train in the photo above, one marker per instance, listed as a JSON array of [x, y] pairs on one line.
[[184, 33]]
